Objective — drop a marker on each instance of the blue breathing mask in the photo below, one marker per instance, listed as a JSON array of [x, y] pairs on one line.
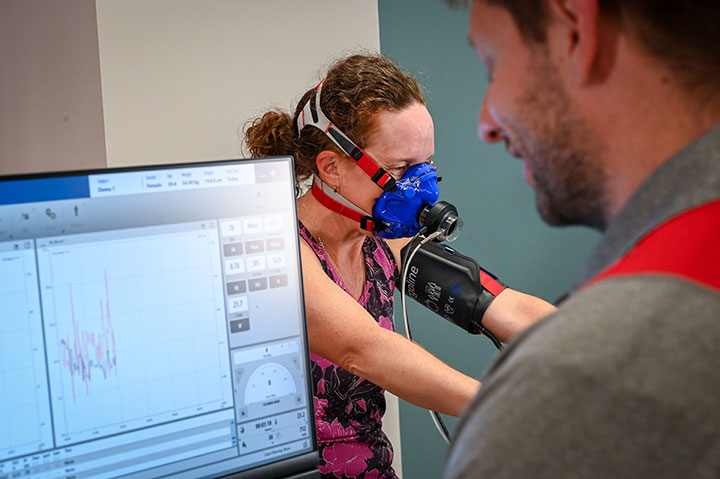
[[399, 210]]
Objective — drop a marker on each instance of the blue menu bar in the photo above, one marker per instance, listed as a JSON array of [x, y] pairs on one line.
[[44, 189]]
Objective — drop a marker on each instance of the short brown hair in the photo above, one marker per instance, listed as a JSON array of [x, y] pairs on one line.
[[684, 35], [355, 89]]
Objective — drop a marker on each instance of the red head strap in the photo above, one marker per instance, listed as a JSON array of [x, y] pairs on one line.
[[312, 115]]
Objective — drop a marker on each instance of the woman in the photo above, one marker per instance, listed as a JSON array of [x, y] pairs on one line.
[[368, 109]]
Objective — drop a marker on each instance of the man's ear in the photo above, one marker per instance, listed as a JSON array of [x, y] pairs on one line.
[[328, 164], [578, 23]]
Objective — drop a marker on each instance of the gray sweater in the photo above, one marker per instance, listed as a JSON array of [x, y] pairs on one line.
[[624, 379]]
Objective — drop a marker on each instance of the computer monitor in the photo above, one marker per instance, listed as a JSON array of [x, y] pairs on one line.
[[152, 324]]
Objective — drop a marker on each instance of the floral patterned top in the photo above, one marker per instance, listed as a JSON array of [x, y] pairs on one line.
[[348, 408]]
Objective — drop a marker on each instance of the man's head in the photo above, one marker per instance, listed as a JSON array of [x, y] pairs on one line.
[[582, 90], [682, 34]]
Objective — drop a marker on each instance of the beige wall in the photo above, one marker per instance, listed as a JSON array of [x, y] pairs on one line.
[[92, 83], [87, 84], [180, 77], [50, 100]]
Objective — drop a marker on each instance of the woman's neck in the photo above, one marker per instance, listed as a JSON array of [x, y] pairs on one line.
[[341, 238], [334, 230]]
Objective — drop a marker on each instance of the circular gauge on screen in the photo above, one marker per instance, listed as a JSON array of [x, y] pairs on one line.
[[269, 381]]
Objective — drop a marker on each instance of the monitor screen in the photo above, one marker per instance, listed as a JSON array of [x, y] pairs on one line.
[[152, 324]]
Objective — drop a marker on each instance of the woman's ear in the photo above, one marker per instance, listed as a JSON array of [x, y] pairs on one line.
[[328, 165]]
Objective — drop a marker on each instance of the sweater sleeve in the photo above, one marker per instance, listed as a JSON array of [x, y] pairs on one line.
[[614, 384]]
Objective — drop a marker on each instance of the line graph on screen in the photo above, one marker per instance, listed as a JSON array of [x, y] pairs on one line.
[[135, 330], [88, 351]]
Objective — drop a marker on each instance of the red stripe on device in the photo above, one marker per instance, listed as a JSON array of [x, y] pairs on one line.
[[490, 283]]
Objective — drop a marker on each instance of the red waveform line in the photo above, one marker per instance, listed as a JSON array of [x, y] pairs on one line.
[[89, 350]]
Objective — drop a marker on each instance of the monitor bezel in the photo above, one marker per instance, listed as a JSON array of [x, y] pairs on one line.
[[303, 465]]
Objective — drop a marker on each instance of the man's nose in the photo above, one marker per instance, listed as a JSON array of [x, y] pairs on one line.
[[488, 129]]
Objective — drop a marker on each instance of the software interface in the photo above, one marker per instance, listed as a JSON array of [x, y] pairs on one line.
[[151, 323]]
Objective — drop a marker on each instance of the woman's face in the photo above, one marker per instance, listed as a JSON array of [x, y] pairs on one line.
[[401, 139]]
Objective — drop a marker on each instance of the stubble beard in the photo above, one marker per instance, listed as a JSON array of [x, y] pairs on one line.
[[563, 155]]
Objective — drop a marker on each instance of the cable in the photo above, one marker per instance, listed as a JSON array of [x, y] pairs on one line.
[[406, 261], [492, 337], [440, 425], [437, 420]]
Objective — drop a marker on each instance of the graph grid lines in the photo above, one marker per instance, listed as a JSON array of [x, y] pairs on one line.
[[136, 332]]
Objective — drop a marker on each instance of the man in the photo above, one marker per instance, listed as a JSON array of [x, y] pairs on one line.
[[614, 108]]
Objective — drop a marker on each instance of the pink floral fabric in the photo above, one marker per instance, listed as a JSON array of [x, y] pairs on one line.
[[348, 408]]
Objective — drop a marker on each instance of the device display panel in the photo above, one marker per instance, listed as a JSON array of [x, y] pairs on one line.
[[153, 323]]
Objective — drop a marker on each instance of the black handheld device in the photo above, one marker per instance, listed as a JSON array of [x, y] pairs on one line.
[[450, 284]]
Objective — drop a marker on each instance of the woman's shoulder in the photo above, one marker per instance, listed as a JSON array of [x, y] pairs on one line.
[[387, 254], [394, 246]]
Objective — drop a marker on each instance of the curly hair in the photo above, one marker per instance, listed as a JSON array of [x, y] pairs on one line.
[[355, 89]]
